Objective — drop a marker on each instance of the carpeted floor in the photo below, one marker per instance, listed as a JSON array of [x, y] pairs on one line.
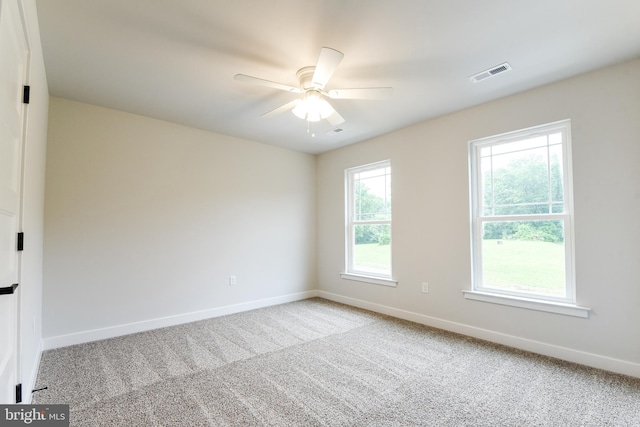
[[318, 363]]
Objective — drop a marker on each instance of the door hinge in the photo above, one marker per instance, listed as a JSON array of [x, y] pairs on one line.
[[19, 393], [20, 243], [25, 94]]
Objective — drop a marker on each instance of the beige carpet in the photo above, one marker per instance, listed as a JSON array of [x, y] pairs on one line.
[[318, 363]]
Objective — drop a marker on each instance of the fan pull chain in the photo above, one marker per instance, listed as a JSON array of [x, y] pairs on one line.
[[310, 129]]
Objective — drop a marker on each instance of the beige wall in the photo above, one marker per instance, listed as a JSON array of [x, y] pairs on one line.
[[146, 219], [431, 219]]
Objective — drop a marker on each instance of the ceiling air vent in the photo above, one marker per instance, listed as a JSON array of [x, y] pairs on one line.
[[490, 72], [338, 130]]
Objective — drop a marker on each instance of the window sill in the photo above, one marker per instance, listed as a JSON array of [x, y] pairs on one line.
[[370, 279], [531, 304]]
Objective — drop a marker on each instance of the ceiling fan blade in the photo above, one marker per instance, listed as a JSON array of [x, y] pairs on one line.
[[268, 83], [361, 93], [327, 64], [335, 119], [281, 109]]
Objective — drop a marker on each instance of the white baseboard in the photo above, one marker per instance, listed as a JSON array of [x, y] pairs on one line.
[[563, 353], [163, 322]]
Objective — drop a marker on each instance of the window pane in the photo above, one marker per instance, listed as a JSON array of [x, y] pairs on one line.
[[522, 209], [486, 183], [372, 195], [521, 177], [555, 138], [522, 144], [372, 248], [522, 180], [555, 168], [524, 256]]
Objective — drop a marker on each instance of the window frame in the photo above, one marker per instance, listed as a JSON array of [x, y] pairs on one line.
[[351, 272], [478, 220]]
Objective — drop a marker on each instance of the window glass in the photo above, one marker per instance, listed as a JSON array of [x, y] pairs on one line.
[[369, 220], [524, 256], [521, 213], [372, 249]]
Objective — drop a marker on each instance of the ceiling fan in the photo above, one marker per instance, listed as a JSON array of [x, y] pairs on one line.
[[312, 85]]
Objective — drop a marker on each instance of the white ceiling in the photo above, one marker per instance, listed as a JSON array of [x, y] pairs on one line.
[[175, 59]]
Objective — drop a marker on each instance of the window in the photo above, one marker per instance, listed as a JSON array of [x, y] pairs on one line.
[[521, 205], [368, 224]]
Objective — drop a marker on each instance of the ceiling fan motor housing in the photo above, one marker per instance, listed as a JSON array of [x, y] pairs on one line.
[[305, 77]]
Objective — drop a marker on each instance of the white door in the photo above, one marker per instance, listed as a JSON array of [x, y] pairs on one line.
[[13, 66]]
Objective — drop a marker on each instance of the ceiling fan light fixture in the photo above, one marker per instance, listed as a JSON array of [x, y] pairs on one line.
[[313, 107], [312, 83]]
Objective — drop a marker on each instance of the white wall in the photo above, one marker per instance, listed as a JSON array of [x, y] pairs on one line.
[[33, 209], [146, 219], [431, 220]]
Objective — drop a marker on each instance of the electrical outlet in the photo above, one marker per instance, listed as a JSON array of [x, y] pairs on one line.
[[425, 287], [232, 280]]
